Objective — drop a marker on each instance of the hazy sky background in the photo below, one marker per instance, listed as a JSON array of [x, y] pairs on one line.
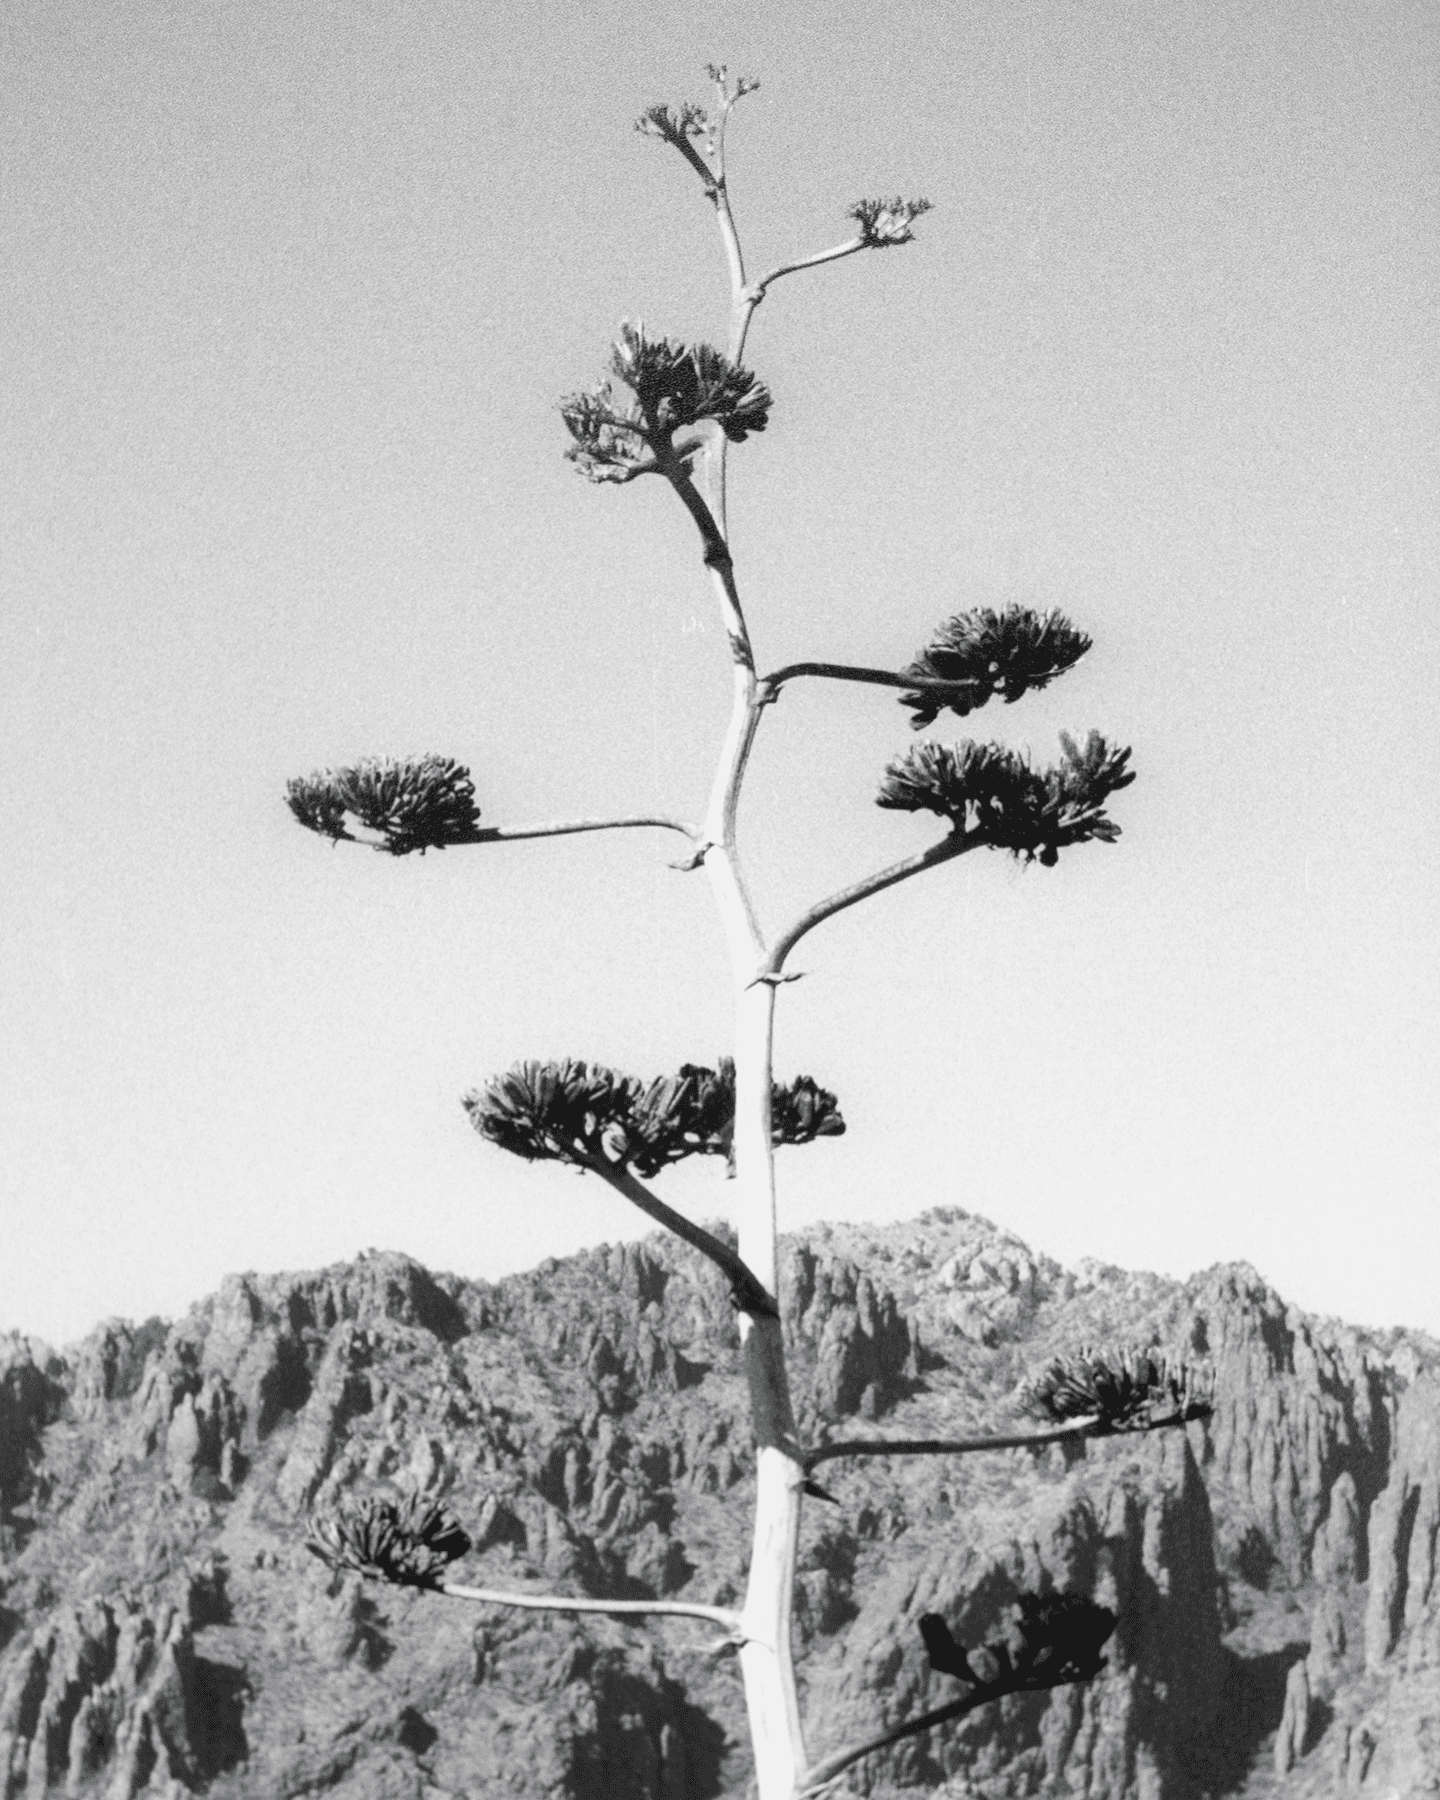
[[290, 295]]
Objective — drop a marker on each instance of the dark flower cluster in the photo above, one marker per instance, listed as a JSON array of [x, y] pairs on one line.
[[674, 124], [678, 124], [672, 387], [1126, 1389], [885, 223], [994, 797], [577, 1112], [1005, 653], [423, 804], [1050, 1640], [409, 1542]]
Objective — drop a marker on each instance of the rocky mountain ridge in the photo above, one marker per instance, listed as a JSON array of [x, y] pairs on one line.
[[164, 1632]]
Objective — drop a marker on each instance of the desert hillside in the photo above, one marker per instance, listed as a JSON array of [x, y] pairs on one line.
[[163, 1630]]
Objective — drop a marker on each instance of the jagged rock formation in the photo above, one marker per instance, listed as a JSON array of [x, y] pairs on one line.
[[108, 1690], [162, 1630], [31, 1397], [1292, 1739]]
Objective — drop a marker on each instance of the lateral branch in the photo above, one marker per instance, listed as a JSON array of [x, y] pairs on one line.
[[954, 844], [1077, 1428], [751, 1296], [715, 1615], [821, 1774], [920, 684], [499, 834], [833, 254]]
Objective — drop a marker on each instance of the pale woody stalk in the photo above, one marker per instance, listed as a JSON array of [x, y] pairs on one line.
[[611, 1126]]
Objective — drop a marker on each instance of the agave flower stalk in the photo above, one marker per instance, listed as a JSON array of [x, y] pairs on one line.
[[672, 410]]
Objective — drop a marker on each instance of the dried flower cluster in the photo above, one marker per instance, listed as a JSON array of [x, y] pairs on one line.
[[994, 797], [677, 125], [673, 388], [1127, 1389], [409, 1542], [1006, 653], [422, 804], [673, 124], [580, 1112], [885, 223], [1050, 1640]]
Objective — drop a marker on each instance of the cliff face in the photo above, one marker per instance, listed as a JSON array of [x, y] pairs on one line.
[[162, 1630]]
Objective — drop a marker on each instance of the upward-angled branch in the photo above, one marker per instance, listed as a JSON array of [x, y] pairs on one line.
[[750, 1295], [830, 1768], [833, 254], [1053, 1640], [883, 225], [955, 844]]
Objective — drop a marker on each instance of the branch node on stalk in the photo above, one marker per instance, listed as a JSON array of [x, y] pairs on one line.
[[770, 978], [688, 864]]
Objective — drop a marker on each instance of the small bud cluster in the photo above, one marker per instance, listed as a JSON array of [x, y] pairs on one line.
[[719, 73], [422, 804], [409, 1542], [673, 124], [582, 1113], [1006, 653], [994, 797], [1126, 1389], [1050, 1640], [673, 388], [885, 223], [677, 125]]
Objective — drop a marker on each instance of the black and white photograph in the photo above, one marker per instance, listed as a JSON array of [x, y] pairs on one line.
[[720, 933]]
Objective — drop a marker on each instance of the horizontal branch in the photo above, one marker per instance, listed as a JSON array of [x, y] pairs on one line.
[[716, 1615], [920, 684], [953, 845], [1079, 1428], [750, 1293], [502, 834], [822, 1773], [1093, 1426]]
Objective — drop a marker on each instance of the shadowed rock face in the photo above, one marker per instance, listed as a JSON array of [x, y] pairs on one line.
[[163, 1632], [32, 1395]]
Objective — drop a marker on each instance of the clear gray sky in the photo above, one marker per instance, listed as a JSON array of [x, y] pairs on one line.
[[290, 295]]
